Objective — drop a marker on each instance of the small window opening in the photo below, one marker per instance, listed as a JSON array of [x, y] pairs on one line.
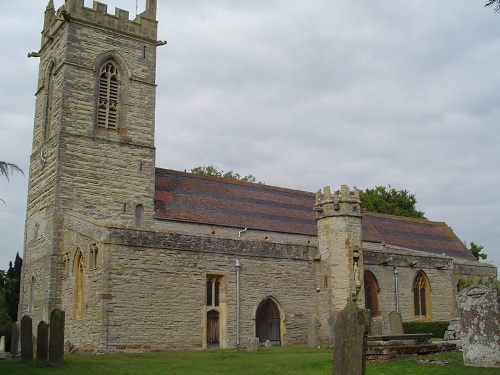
[[213, 291], [107, 114]]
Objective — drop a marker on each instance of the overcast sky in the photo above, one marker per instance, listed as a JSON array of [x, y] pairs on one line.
[[304, 94]]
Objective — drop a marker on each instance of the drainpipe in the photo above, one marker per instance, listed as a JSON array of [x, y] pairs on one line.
[[242, 231], [396, 288], [238, 268]]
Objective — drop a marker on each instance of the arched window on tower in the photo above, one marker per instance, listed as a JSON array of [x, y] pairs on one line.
[[78, 287], [108, 97], [139, 214], [371, 293], [421, 296], [49, 99], [32, 295]]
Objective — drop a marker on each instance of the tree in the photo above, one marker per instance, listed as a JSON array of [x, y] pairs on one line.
[[13, 287], [4, 171], [387, 200], [211, 170], [476, 250], [493, 3]]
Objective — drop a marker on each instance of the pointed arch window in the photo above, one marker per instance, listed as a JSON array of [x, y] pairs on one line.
[[32, 295], [49, 99], [421, 296], [108, 97], [78, 295], [371, 293]]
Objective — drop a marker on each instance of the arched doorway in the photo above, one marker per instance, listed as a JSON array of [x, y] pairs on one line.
[[371, 293], [213, 328], [267, 322]]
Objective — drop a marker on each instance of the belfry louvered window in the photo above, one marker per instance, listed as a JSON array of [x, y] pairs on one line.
[[108, 105]]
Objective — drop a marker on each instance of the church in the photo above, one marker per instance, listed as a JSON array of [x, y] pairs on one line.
[[143, 258]]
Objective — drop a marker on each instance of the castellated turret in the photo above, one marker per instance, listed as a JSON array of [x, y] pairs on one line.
[[338, 217]]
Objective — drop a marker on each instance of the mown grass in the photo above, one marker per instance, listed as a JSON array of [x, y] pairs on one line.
[[289, 360]]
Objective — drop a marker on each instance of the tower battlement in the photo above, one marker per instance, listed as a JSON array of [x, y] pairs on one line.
[[143, 26], [345, 203]]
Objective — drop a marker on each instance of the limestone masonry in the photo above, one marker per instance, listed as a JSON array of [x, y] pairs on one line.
[[142, 258]]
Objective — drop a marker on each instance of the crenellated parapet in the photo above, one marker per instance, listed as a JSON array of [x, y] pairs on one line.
[[143, 26], [344, 203]]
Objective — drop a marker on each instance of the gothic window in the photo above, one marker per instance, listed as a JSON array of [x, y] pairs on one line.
[[213, 291], [139, 213], [371, 293], [421, 296], [49, 98], [108, 103], [78, 296], [32, 295]]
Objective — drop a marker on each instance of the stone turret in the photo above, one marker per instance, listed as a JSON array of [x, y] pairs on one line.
[[338, 219]]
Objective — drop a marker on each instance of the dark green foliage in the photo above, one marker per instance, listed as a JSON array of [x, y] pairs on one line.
[[476, 250], [436, 328], [212, 170], [387, 200], [10, 284]]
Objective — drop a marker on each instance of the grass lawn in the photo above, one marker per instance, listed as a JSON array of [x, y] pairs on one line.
[[287, 360]]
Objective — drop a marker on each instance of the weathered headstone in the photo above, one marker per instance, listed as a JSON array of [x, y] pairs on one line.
[[313, 339], [351, 331], [453, 331], [42, 342], [479, 312], [2, 347], [253, 344], [14, 342], [56, 343], [376, 326], [331, 331], [26, 339], [396, 323]]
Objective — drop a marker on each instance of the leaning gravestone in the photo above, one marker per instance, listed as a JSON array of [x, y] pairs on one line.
[[351, 331], [14, 342], [253, 344], [396, 323], [56, 343], [26, 339], [479, 312], [2, 347], [42, 342], [313, 339]]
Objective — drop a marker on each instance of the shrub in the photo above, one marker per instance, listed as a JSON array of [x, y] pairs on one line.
[[437, 328]]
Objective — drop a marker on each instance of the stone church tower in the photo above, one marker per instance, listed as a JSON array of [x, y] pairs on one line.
[[93, 143]]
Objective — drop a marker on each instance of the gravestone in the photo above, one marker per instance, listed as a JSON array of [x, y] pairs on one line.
[[26, 339], [268, 343], [376, 326], [351, 331], [42, 342], [453, 331], [331, 332], [253, 344], [56, 343], [396, 323], [313, 339], [2, 347], [478, 309], [14, 343]]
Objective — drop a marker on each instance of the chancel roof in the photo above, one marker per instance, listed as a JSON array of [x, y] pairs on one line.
[[210, 200]]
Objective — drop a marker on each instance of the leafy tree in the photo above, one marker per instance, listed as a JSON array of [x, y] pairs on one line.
[[493, 3], [476, 250], [4, 171], [211, 170], [387, 200]]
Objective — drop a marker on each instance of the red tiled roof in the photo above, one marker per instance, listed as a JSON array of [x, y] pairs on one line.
[[216, 201]]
